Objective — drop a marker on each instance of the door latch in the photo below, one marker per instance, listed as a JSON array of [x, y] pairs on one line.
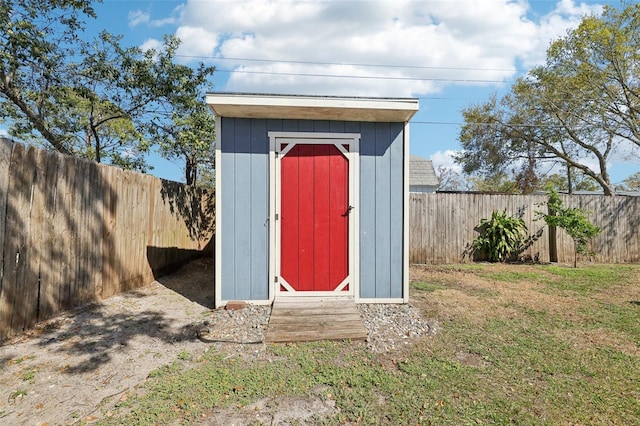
[[348, 211]]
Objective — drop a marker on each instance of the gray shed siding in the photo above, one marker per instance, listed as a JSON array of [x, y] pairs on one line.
[[244, 204]]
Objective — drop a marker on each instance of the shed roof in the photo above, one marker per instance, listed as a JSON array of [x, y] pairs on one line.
[[421, 172], [250, 105]]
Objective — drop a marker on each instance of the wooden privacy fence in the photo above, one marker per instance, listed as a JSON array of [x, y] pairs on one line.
[[73, 232], [442, 226]]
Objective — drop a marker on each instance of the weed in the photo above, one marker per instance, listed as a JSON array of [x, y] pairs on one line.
[[165, 370], [18, 393], [511, 275], [185, 356], [428, 287], [22, 359], [29, 376]]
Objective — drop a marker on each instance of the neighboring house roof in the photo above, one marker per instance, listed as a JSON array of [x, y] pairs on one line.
[[421, 172]]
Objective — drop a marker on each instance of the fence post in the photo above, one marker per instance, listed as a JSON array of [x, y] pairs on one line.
[[553, 242]]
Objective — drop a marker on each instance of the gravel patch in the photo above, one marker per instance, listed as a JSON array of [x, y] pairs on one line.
[[243, 326], [390, 327]]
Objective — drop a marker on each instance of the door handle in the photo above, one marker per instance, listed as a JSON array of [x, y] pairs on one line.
[[348, 211]]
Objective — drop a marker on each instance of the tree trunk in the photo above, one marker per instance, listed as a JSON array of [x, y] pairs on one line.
[[190, 170], [553, 241], [98, 150]]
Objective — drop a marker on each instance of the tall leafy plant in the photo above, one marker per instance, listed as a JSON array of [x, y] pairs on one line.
[[501, 236], [574, 221]]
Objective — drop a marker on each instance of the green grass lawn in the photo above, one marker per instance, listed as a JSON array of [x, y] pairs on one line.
[[518, 344]]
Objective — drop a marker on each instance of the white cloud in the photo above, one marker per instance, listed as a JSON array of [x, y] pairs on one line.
[[137, 17], [163, 22], [445, 159], [196, 41], [471, 41], [569, 7], [151, 43], [567, 14]]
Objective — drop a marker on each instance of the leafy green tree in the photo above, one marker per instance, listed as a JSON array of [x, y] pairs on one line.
[[92, 99], [36, 42], [102, 131], [631, 183], [188, 132], [190, 139], [497, 182], [559, 182], [574, 221], [578, 106], [207, 176]]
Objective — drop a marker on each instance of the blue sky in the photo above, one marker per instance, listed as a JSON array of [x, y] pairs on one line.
[[448, 53]]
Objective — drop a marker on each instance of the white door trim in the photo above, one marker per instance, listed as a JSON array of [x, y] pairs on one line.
[[276, 139]]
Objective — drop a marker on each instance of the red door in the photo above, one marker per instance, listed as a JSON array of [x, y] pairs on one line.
[[314, 222]]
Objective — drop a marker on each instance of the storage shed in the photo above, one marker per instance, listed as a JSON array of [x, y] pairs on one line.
[[311, 197]]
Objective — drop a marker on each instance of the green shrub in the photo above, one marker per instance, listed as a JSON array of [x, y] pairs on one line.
[[501, 236]]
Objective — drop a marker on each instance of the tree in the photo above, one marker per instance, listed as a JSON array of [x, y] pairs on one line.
[[190, 139], [188, 132], [527, 180], [92, 99], [576, 108], [450, 180], [631, 183], [574, 221], [558, 182], [498, 182], [102, 131], [35, 44]]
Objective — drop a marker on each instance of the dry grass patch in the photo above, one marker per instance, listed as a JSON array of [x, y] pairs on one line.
[[490, 291], [588, 339]]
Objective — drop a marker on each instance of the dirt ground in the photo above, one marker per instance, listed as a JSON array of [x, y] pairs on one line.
[[73, 368]]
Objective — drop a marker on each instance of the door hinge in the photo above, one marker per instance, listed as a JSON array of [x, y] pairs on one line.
[[277, 216], [275, 279]]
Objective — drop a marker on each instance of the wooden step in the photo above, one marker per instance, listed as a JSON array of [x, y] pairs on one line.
[[309, 320]]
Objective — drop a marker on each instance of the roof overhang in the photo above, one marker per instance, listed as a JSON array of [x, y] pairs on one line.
[[244, 105]]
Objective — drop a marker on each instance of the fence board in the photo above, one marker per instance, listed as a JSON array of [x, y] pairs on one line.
[[109, 272], [15, 288], [442, 225], [5, 160], [49, 276]]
